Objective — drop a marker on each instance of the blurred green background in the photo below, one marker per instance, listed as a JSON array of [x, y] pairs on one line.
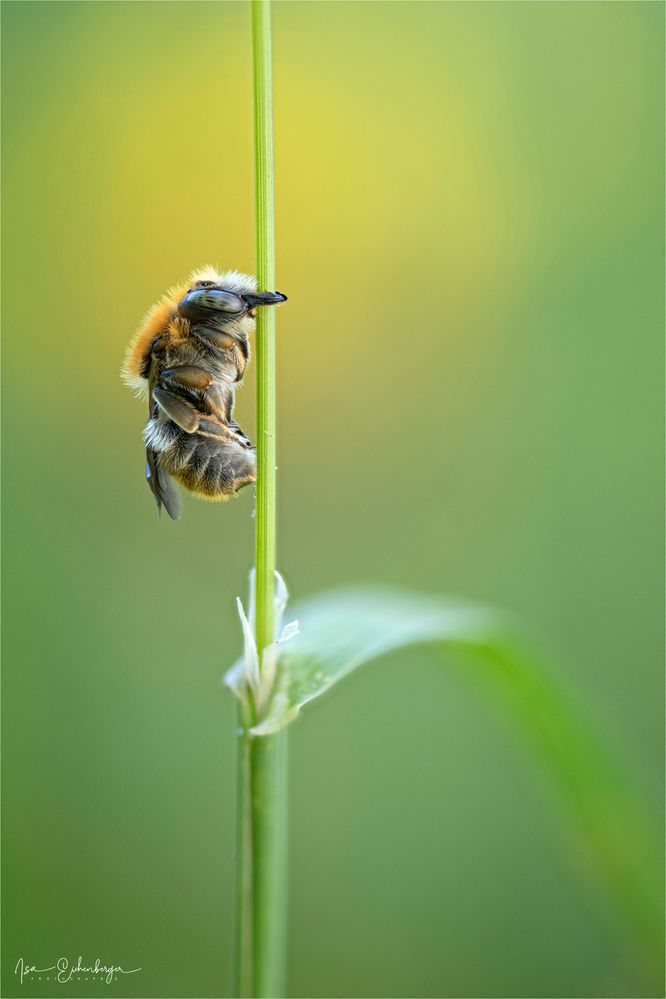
[[470, 234]]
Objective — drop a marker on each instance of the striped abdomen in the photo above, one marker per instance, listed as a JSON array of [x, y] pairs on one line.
[[214, 462]]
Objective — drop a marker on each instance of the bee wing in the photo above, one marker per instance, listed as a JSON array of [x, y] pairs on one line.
[[162, 486]]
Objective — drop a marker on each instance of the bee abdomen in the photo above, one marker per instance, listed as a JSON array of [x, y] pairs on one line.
[[211, 462]]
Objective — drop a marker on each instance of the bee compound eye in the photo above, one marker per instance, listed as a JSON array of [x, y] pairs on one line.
[[212, 299], [225, 301]]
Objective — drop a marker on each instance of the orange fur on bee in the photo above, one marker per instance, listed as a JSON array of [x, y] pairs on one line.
[[157, 320]]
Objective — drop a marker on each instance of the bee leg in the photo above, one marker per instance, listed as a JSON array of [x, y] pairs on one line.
[[212, 429], [244, 481], [241, 470], [181, 412], [209, 335], [209, 395], [186, 377], [245, 440], [245, 465]]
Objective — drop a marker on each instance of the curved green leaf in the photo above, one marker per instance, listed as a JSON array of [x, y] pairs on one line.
[[342, 630]]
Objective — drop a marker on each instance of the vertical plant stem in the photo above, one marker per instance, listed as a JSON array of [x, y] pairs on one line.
[[243, 971], [262, 770], [265, 341], [269, 772]]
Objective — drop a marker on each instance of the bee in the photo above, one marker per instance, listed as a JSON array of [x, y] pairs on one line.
[[188, 356]]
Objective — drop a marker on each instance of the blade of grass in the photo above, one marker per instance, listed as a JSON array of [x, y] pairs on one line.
[[262, 769], [265, 339], [604, 819]]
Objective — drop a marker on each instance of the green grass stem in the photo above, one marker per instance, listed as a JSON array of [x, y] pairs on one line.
[[262, 764], [265, 341]]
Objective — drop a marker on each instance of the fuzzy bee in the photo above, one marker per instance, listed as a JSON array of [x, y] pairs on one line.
[[188, 356]]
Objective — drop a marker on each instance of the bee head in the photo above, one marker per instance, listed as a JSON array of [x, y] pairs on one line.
[[224, 300]]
